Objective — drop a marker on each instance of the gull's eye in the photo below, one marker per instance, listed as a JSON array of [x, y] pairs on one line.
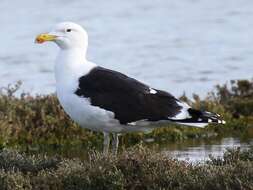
[[68, 30]]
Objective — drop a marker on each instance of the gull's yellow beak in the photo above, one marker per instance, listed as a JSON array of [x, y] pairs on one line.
[[45, 37]]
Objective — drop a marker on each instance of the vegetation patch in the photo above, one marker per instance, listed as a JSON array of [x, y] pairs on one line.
[[135, 168]]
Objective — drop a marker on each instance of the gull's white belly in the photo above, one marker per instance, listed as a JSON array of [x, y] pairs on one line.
[[88, 116]]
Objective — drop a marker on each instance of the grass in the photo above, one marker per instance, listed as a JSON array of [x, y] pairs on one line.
[[135, 168]]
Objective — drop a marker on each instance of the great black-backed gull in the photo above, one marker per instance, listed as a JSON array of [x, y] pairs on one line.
[[109, 101]]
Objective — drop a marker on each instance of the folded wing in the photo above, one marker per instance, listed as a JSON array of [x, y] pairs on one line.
[[129, 99]]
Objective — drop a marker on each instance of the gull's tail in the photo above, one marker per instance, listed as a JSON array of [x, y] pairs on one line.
[[192, 117]]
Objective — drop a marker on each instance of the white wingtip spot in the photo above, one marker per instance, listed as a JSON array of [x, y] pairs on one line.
[[132, 123], [219, 121], [199, 119], [223, 122], [209, 121], [183, 114], [152, 91]]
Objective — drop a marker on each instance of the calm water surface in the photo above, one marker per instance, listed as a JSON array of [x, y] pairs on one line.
[[186, 45], [199, 150]]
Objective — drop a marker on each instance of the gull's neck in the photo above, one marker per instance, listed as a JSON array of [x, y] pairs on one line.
[[70, 65]]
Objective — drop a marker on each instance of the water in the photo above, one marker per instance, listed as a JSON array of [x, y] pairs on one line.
[[192, 150], [180, 46], [200, 150]]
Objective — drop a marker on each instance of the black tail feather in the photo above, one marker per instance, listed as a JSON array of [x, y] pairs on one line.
[[198, 117], [204, 116]]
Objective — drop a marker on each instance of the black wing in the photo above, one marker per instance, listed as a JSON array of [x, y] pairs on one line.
[[129, 99]]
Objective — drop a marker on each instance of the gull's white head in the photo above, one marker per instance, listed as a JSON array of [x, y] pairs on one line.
[[66, 35]]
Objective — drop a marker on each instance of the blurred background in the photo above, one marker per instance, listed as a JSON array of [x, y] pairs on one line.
[[180, 46]]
